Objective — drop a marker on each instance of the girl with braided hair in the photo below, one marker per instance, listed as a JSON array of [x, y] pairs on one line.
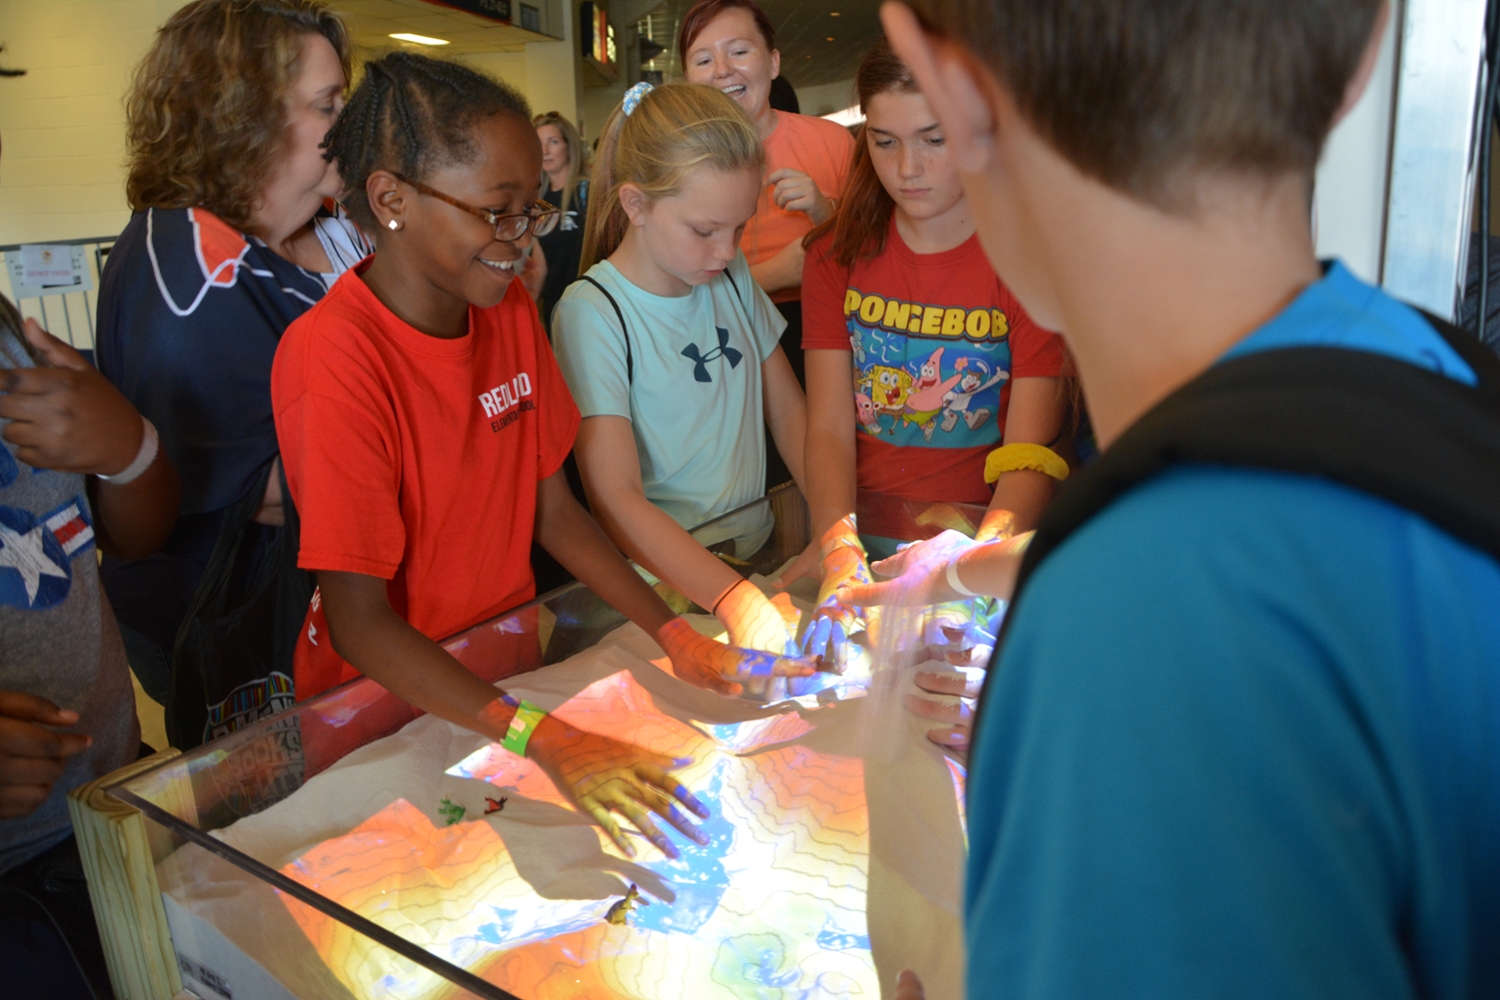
[[424, 423]]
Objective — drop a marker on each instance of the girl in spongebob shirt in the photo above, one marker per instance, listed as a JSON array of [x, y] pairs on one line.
[[904, 314]]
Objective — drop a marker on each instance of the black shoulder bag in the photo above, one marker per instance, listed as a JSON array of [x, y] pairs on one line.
[[1417, 439], [232, 662]]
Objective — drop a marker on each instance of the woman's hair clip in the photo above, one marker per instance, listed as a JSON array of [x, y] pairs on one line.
[[633, 97]]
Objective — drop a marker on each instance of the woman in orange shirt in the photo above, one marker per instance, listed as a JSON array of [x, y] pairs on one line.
[[730, 45]]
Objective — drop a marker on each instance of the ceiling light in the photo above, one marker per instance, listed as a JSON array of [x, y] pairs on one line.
[[406, 36], [833, 13], [829, 38]]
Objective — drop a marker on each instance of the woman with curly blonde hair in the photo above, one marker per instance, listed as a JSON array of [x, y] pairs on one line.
[[235, 233]]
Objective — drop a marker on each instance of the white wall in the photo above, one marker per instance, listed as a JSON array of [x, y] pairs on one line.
[[507, 66], [62, 173], [595, 106], [1350, 202], [552, 69], [546, 72]]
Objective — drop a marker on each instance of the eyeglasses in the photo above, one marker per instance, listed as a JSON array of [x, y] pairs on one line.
[[540, 218]]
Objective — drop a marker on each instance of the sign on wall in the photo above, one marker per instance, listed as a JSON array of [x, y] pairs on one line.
[[598, 34], [48, 269]]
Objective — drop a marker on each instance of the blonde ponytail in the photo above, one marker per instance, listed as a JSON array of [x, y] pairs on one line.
[[672, 130]]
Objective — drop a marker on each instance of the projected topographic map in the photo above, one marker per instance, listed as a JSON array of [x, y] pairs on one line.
[[468, 851]]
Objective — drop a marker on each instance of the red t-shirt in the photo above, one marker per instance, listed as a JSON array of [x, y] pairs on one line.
[[936, 340], [817, 147], [417, 459]]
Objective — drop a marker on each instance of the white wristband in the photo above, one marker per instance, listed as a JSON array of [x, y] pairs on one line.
[[143, 458], [953, 580]]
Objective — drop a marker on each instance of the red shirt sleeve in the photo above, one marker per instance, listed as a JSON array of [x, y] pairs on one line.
[[560, 417], [824, 283], [1034, 352], [340, 457]]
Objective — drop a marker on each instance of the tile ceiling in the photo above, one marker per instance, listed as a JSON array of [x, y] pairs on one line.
[[373, 22], [817, 45]]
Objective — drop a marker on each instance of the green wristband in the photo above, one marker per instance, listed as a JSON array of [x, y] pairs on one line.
[[522, 725]]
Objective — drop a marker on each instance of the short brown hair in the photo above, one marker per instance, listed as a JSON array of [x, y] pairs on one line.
[[206, 115], [1137, 92], [702, 13]]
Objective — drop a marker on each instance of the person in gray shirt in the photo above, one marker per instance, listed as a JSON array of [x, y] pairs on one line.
[[79, 470]]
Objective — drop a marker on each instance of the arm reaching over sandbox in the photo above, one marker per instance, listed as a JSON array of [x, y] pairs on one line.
[[602, 776], [567, 531], [948, 567]]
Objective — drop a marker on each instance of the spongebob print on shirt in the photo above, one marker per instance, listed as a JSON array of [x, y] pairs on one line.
[[927, 374]]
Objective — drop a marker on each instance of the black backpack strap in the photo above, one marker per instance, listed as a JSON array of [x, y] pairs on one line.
[[1421, 440], [1480, 359], [1411, 436], [624, 330], [735, 285]]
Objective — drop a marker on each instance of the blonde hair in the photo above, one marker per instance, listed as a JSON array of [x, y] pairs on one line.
[[577, 154], [673, 130]]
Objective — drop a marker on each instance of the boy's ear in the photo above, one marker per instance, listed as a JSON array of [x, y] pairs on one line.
[[1366, 68], [951, 81], [384, 194]]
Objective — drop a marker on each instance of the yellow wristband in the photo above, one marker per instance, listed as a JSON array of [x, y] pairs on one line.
[[521, 727], [1037, 457]]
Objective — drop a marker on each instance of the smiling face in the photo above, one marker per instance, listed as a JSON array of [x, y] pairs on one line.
[[731, 54], [454, 252], [889, 387], [910, 156], [301, 179], [554, 149], [683, 240]]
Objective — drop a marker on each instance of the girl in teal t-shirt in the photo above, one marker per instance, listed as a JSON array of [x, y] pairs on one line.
[[670, 349]]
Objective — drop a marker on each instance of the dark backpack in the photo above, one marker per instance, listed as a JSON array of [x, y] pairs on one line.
[[1408, 435]]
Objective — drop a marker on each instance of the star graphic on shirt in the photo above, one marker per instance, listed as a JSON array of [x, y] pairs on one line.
[[23, 553]]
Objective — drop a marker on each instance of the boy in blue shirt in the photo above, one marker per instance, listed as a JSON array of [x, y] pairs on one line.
[[1243, 737]]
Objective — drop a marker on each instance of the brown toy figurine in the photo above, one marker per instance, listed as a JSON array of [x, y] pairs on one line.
[[619, 913]]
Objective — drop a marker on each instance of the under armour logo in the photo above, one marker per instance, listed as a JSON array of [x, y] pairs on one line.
[[700, 363]]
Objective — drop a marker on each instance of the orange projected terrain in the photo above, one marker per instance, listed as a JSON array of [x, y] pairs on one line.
[[773, 906], [833, 856]]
